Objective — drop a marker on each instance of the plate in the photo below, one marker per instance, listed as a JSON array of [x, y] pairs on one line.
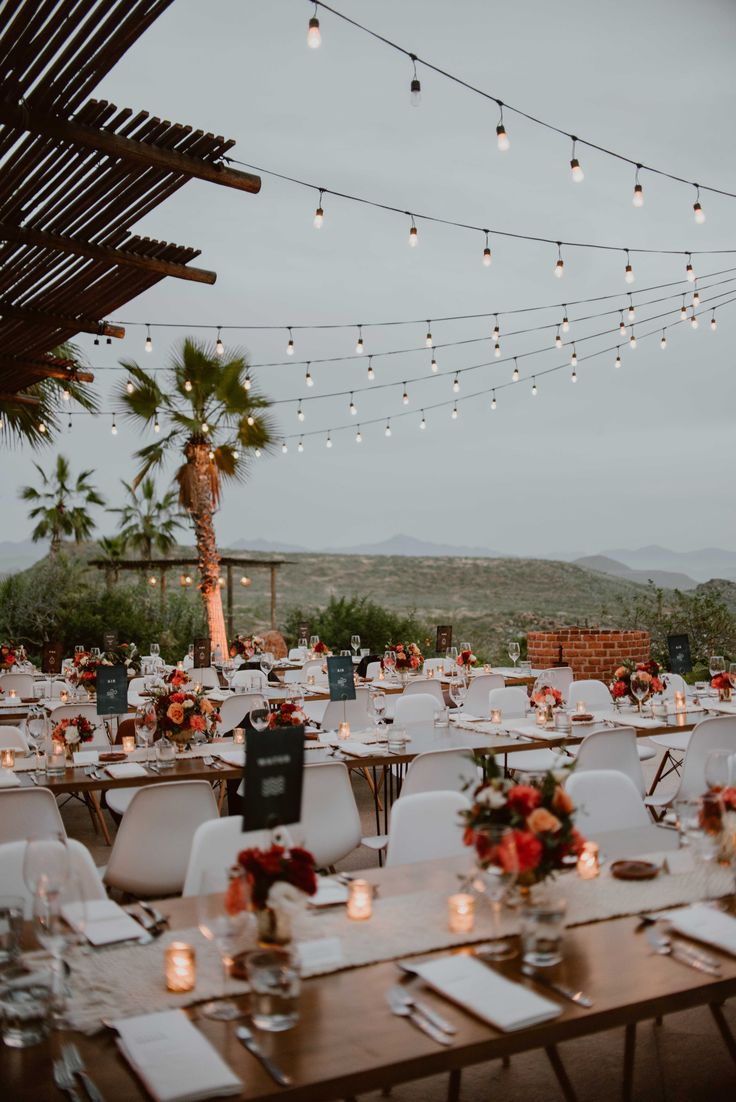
[[634, 870], [112, 756]]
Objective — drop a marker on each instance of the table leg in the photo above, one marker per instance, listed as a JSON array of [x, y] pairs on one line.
[[629, 1051], [723, 1029], [100, 818], [559, 1069], [453, 1086]]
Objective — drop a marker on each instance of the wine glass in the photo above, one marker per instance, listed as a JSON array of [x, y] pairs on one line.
[[228, 670], [145, 723], [266, 662], [705, 844], [46, 863], [514, 651], [155, 650], [37, 731], [458, 690], [716, 665], [639, 686], [355, 644], [732, 674], [226, 928], [190, 651], [302, 644], [720, 769], [313, 641], [95, 652], [79, 648], [389, 661], [55, 934], [495, 881], [260, 714], [378, 707]]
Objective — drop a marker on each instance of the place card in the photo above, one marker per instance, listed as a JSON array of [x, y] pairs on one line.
[[272, 784], [112, 690], [109, 639], [444, 639], [202, 653], [320, 954], [86, 757], [340, 677], [678, 648], [52, 655]]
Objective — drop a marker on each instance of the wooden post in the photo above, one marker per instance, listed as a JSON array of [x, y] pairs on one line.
[[230, 632], [273, 598]]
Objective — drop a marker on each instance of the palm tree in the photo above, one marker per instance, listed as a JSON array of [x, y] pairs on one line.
[[146, 524], [113, 549], [61, 507], [38, 425], [215, 420]]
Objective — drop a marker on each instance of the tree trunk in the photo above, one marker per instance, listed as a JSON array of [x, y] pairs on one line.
[[202, 510]]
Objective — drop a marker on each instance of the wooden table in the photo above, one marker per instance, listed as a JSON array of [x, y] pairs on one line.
[[347, 1041]]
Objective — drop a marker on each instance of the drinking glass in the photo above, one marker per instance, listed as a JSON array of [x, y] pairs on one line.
[[732, 674], [11, 928], [313, 641], [275, 983], [260, 714], [639, 687], [229, 671], [190, 650], [378, 706], [37, 730], [266, 662], [355, 644], [46, 863], [496, 881], [458, 690], [513, 652], [54, 935], [720, 769], [302, 644], [145, 723], [155, 650], [716, 665], [450, 657], [227, 929], [389, 662], [24, 1008], [542, 928]]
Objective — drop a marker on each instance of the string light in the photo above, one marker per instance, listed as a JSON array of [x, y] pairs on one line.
[[663, 340], [114, 427], [187, 386], [577, 172], [290, 345], [314, 35], [371, 372], [258, 453], [455, 385], [300, 445], [300, 413], [308, 377], [534, 387], [574, 376], [683, 310], [413, 233], [487, 252], [696, 297], [247, 381], [423, 422], [559, 268], [130, 388], [515, 374], [428, 338], [319, 214], [149, 343], [632, 340], [359, 436], [359, 343], [629, 276], [621, 324], [157, 427], [66, 394], [387, 430], [502, 138], [618, 358], [565, 320], [694, 321], [250, 421], [212, 454], [284, 447], [328, 441], [558, 338], [496, 329], [697, 209], [235, 454], [632, 309], [638, 199], [454, 412], [493, 399], [352, 407], [219, 346], [205, 427], [405, 396], [689, 270], [434, 365], [497, 350], [574, 357], [415, 87], [713, 322]]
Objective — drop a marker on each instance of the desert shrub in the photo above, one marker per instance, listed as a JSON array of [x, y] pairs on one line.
[[701, 614], [346, 616]]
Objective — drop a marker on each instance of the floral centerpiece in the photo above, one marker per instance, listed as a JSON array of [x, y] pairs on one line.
[[84, 672], [124, 654], [466, 659], [71, 732], [408, 655], [177, 677], [321, 648], [540, 816], [288, 714], [181, 715], [648, 672], [718, 816], [245, 646], [546, 699], [279, 880], [722, 682], [8, 656]]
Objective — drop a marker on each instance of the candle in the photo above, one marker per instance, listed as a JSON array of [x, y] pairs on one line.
[[461, 909], [541, 716], [580, 707], [343, 730], [181, 967], [381, 675], [430, 671], [680, 704], [7, 758], [311, 680], [64, 696], [588, 864], [57, 758], [360, 899], [12, 694], [239, 735], [496, 715], [128, 742]]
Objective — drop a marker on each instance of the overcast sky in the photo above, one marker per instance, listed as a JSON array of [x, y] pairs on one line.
[[622, 458]]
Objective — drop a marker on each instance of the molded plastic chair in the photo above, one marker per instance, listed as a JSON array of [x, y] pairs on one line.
[[416, 708], [314, 669], [207, 677], [330, 822], [425, 686], [440, 770], [247, 678], [675, 684], [216, 845], [80, 862], [559, 677], [297, 654], [151, 849], [372, 670], [13, 738], [425, 827], [23, 683], [605, 800], [89, 711], [476, 698], [28, 811], [716, 733], [512, 701], [612, 748], [594, 693], [355, 711], [234, 709], [433, 664]]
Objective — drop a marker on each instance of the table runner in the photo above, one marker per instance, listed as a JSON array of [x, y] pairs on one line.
[[28, 764]]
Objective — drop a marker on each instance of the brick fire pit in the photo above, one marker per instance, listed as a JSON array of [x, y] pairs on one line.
[[591, 652]]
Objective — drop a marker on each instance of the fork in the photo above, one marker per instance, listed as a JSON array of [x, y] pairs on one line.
[[75, 1066], [65, 1080]]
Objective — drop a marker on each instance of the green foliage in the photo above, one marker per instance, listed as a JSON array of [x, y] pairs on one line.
[[702, 614], [61, 507], [346, 616], [146, 519]]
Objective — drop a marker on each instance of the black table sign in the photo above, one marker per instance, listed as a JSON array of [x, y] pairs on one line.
[[51, 657], [303, 630], [340, 677], [202, 653], [444, 639], [112, 690], [274, 772], [109, 640], [679, 651]]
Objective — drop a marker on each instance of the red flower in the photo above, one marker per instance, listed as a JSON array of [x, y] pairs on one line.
[[522, 799], [528, 849], [619, 689], [178, 698]]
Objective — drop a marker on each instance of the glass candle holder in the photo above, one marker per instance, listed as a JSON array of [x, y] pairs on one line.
[[496, 715], [311, 680], [343, 730], [7, 758], [180, 966], [588, 863], [430, 672], [461, 913], [56, 759], [239, 735], [680, 702], [580, 707], [64, 696], [12, 695], [128, 743], [540, 716], [360, 899]]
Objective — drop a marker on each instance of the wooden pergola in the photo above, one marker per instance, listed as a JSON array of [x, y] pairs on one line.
[[160, 568], [75, 175]]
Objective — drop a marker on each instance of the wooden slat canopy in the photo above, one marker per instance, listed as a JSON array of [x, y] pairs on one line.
[[75, 176]]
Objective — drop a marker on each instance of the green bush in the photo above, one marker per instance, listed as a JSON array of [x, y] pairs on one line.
[[701, 614], [346, 616]]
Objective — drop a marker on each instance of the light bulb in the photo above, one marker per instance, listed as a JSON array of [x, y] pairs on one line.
[[413, 235], [371, 372], [235, 454], [574, 357], [694, 321], [699, 212], [42, 427], [219, 346], [534, 387], [187, 385], [149, 343], [631, 311], [423, 422], [638, 199], [359, 436], [328, 441], [497, 350], [290, 345], [314, 36], [387, 430], [300, 446], [515, 375], [663, 341], [428, 338], [212, 454], [156, 426], [629, 276], [496, 331], [577, 173], [618, 359], [493, 400], [205, 427], [129, 386], [487, 257], [359, 343], [622, 326], [559, 267], [690, 271], [454, 413], [502, 137], [308, 378], [455, 385], [632, 340], [247, 382], [353, 407], [574, 376], [434, 366], [284, 448], [696, 298], [565, 324], [300, 413], [250, 421], [257, 453], [683, 312], [713, 322], [415, 92], [558, 338], [66, 394], [114, 429], [319, 214], [405, 396]]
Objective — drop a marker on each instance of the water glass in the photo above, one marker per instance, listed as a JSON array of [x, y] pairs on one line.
[[275, 983], [165, 754], [355, 644], [25, 1005], [542, 929], [514, 650], [11, 926], [397, 739]]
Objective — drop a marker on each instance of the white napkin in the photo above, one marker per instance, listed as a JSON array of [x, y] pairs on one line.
[[474, 986], [720, 707], [86, 757], [8, 779], [101, 921], [357, 749], [233, 757], [174, 1060], [329, 892], [705, 924], [126, 769], [6, 702]]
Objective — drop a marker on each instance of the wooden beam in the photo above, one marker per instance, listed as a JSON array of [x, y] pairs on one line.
[[115, 145], [76, 247], [19, 399], [46, 371], [81, 325]]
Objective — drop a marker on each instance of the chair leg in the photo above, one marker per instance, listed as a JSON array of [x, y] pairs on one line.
[[558, 1068], [629, 1051], [100, 818], [221, 798], [723, 1029], [453, 1085]]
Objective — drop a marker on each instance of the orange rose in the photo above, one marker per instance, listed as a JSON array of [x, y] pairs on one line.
[[175, 713], [561, 801], [541, 821], [206, 707]]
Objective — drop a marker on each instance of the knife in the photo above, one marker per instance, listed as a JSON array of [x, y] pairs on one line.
[[559, 988], [248, 1041], [684, 957]]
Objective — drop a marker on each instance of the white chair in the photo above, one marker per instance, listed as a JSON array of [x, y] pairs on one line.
[[136, 685], [433, 664], [594, 694], [426, 826], [151, 849], [206, 677], [675, 684], [476, 698], [605, 800], [28, 811], [426, 686], [612, 748], [89, 711], [297, 654], [215, 848], [82, 868], [254, 680], [314, 669], [330, 821], [559, 677], [12, 738], [372, 670], [716, 733], [23, 683], [355, 711], [512, 701], [234, 709], [440, 770], [416, 708]]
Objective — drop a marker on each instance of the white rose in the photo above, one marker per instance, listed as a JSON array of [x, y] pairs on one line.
[[188, 703], [491, 797], [71, 734], [285, 896]]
